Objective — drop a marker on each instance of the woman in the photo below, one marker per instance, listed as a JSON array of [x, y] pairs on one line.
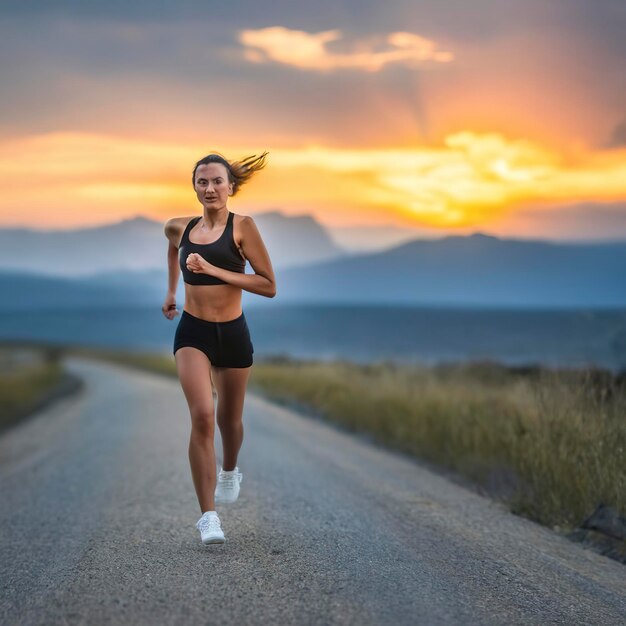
[[212, 345]]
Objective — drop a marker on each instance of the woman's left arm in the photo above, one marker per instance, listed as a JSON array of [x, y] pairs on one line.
[[262, 282]]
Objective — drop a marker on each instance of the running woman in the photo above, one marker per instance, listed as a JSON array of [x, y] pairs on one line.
[[212, 345]]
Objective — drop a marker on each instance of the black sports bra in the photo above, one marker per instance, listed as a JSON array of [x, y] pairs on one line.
[[223, 252]]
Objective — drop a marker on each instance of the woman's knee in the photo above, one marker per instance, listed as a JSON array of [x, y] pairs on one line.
[[228, 420], [203, 421]]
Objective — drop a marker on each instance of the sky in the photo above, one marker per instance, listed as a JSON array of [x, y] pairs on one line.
[[506, 117]]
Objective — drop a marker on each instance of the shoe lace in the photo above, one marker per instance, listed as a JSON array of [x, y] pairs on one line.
[[211, 522], [229, 480]]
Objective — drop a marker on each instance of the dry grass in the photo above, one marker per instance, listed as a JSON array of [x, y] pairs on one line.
[[25, 377], [549, 442]]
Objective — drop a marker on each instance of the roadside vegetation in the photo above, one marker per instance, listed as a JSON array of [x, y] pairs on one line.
[[28, 376], [550, 443]]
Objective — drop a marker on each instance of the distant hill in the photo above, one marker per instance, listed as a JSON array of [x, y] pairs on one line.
[[32, 291], [139, 244], [471, 270], [476, 270], [296, 240]]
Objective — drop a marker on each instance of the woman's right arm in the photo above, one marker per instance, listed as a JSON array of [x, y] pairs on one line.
[[172, 232]]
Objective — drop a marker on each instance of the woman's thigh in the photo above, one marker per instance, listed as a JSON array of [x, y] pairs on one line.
[[194, 373], [230, 384]]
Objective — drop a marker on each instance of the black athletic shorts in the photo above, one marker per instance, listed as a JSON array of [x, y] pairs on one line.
[[226, 344]]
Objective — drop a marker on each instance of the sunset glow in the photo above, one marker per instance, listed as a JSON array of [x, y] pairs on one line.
[[67, 177]]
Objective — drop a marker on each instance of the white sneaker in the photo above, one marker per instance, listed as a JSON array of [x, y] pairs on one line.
[[210, 528], [227, 488]]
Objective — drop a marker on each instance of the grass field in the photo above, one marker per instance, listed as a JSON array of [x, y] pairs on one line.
[[549, 443]]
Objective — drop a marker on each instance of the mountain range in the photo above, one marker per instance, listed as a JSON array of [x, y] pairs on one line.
[[476, 270], [140, 244]]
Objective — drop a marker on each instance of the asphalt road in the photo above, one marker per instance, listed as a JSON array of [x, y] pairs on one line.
[[98, 514]]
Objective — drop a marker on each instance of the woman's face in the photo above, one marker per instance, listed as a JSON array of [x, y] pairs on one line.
[[212, 186]]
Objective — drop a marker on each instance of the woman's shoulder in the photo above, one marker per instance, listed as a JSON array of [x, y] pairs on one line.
[[240, 225], [175, 226], [241, 219]]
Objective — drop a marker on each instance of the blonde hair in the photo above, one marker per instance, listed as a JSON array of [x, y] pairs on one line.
[[239, 172]]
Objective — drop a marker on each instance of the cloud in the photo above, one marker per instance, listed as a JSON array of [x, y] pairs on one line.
[[162, 77], [309, 51]]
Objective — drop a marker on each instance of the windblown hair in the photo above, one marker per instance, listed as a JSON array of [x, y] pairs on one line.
[[239, 172]]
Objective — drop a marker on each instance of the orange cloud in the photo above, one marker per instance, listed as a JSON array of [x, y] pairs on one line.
[[63, 179], [308, 51]]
